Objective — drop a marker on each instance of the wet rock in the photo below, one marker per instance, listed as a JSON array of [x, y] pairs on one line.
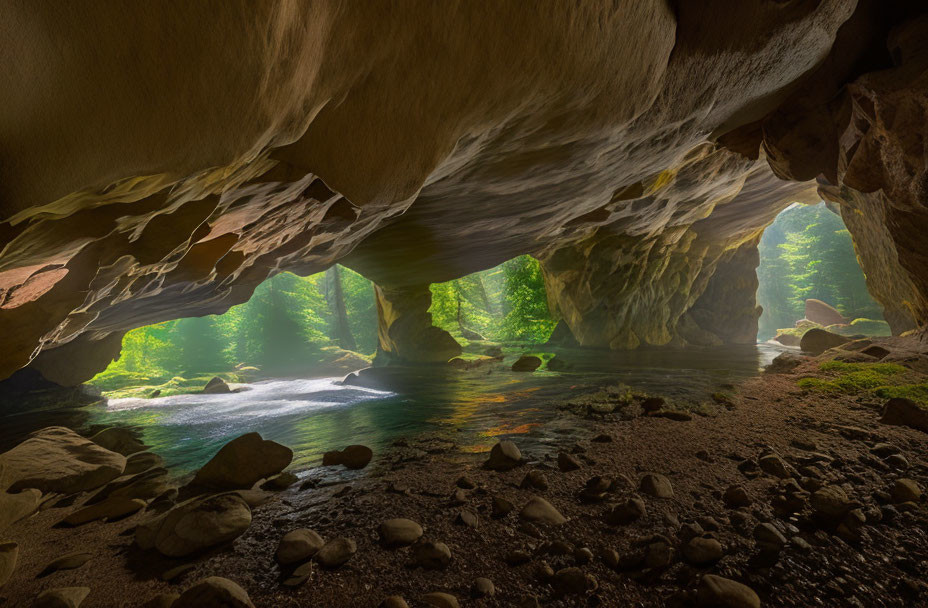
[[394, 601], [768, 537], [816, 341], [242, 462], [504, 456], [440, 600], [111, 508], [120, 440], [214, 592], [526, 363], [905, 490], [715, 591], [482, 587], [352, 457], [774, 465], [431, 555], [501, 507], [904, 412], [399, 532], [702, 551], [216, 386], [626, 512], [534, 479], [539, 510], [298, 546], [14, 507], [67, 562], [9, 553], [572, 581], [141, 462], [56, 459], [281, 481], [336, 552], [567, 463], [195, 525], [736, 497], [656, 485], [63, 597]]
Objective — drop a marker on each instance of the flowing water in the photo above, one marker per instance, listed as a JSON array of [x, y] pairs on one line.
[[474, 407]]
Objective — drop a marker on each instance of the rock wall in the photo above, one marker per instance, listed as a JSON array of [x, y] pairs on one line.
[[405, 331], [162, 160]]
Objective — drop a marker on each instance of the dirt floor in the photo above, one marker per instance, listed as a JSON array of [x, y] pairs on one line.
[[823, 440]]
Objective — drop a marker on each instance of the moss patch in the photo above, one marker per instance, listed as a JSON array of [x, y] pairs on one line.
[[122, 384], [882, 380]]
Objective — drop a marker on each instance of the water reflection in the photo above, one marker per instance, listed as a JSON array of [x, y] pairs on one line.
[[478, 407]]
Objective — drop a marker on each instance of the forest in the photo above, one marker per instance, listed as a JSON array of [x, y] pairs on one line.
[[300, 325], [807, 253]]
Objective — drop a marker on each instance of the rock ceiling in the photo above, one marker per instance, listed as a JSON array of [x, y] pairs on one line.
[[162, 162]]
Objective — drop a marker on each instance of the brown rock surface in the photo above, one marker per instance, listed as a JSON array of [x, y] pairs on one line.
[[244, 461], [822, 313]]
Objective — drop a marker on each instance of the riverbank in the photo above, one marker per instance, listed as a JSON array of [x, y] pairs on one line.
[[776, 441]]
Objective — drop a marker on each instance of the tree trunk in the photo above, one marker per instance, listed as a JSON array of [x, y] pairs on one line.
[[336, 299]]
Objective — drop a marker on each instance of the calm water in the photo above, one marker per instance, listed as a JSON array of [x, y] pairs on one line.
[[474, 407]]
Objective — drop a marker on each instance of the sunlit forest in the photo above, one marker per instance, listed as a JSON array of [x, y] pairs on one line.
[[807, 253], [300, 325]]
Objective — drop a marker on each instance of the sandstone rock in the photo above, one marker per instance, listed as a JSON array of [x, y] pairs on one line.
[[56, 459], [482, 587], [399, 532], [505, 455], [120, 440], [336, 552], [195, 525], [243, 461], [298, 546], [656, 485], [216, 386], [526, 363], [280, 482], [774, 465], [9, 552], [352, 457], [440, 600], [768, 537], [141, 462], [539, 510], [14, 507], [816, 341], [214, 592], [701, 551], [626, 512], [567, 463], [822, 313], [715, 591], [63, 597], [831, 502], [67, 562], [905, 490], [111, 508], [904, 412], [431, 555]]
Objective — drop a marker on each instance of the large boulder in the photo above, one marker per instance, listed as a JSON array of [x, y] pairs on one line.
[[816, 341], [56, 459], [214, 592], [216, 386], [905, 412], [243, 462], [195, 525], [120, 440], [822, 313]]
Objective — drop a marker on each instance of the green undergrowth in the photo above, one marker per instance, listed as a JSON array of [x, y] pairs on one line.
[[121, 384], [883, 380]]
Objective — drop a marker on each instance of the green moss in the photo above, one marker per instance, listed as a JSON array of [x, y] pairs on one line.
[[122, 385], [882, 380]]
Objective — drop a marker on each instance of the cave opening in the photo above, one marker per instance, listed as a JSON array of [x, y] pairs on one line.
[[809, 276]]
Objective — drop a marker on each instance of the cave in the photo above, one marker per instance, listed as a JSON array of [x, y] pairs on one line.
[[420, 303]]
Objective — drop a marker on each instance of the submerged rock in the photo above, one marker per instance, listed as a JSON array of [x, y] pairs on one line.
[[214, 592], [242, 462], [195, 525], [56, 459]]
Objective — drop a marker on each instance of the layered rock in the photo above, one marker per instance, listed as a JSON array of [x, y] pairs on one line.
[[422, 141]]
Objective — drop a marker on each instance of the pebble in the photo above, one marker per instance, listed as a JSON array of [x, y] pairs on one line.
[[482, 587], [504, 456], [440, 600], [399, 532], [624, 513], [539, 510], [214, 592], [394, 601], [905, 490], [567, 463], [701, 551], [718, 591], [768, 537], [431, 555], [336, 552], [736, 497], [465, 483], [501, 507], [297, 546], [534, 479], [466, 518], [656, 485]]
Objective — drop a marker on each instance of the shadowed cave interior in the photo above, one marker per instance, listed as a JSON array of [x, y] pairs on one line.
[[464, 304]]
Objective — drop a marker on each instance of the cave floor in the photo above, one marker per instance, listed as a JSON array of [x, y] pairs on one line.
[[833, 436]]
